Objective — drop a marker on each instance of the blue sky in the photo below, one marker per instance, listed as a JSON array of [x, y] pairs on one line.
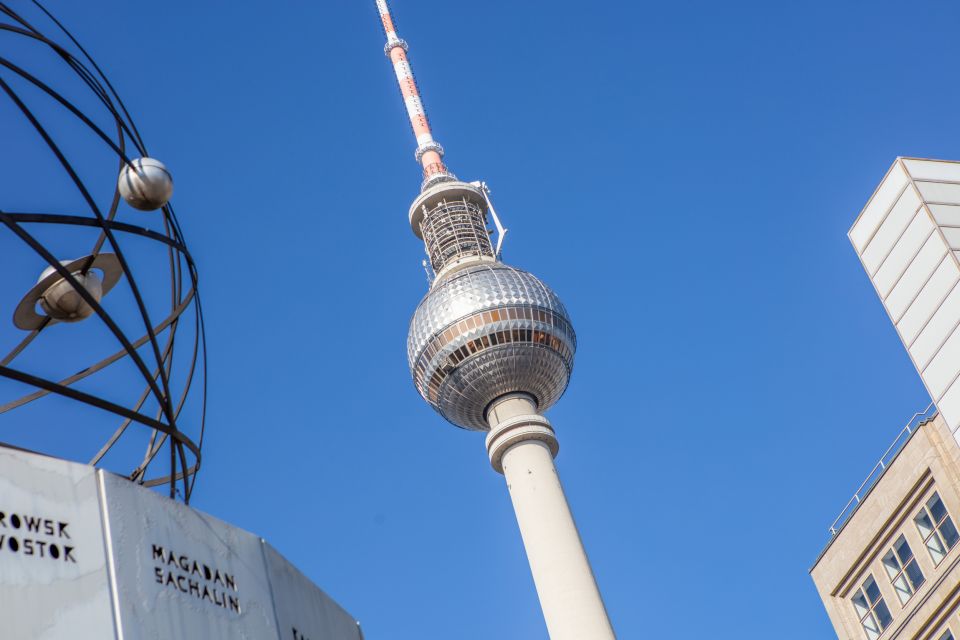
[[683, 175]]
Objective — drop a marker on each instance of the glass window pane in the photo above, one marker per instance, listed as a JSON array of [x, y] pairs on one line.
[[903, 550], [948, 635], [949, 532], [937, 510], [883, 614], [860, 604], [903, 589], [913, 572], [936, 549], [871, 627], [891, 564], [923, 524], [872, 590]]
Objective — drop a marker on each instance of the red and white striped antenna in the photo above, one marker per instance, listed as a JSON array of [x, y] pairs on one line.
[[429, 153]]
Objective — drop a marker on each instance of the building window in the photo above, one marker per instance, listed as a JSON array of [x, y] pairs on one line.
[[902, 569], [936, 527], [947, 635], [871, 609]]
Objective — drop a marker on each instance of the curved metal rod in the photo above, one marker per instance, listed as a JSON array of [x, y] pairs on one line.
[[84, 73], [66, 103], [24, 343], [119, 148], [168, 350], [152, 450], [80, 375], [176, 284], [203, 398], [80, 221], [89, 299], [183, 465], [176, 288], [164, 398], [146, 456], [112, 213], [178, 256], [26, 378], [191, 473], [88, 77], [154, 447], [76, 220], [136, 133]]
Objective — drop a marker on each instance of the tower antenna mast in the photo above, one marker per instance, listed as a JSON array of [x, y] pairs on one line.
[[429, 152], [490, 348]]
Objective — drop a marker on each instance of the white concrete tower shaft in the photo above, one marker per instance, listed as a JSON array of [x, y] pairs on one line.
[[522, 446]]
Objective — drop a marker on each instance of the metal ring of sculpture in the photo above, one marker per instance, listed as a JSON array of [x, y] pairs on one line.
[[74, 289]]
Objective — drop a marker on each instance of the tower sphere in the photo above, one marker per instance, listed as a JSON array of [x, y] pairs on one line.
[[145, 184], [486, 331]]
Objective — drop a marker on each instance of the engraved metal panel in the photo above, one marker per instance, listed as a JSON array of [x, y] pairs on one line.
[[304, 611], [53, 569], [181, 573]]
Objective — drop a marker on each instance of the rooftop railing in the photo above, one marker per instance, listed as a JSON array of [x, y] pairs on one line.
[[878, 470]]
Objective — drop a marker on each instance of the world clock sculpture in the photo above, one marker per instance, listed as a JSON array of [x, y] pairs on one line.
[[105, 362], [90, 236], [491, 348]]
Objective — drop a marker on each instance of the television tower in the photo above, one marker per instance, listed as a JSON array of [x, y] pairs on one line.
[[491, 348]]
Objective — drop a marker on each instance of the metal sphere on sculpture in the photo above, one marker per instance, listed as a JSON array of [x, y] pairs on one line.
[[487, 331], [145, 184], [111, 343], [57, 297], [63, 302]]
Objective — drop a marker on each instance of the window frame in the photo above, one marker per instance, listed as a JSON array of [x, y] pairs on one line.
[[872, 607], [935, 528], [894, 552]]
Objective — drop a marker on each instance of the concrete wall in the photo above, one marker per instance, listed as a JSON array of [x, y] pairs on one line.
[[929, 462]]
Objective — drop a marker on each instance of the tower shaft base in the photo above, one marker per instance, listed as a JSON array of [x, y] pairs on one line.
[[522, 447]]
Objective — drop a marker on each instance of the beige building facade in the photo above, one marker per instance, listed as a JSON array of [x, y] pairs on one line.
[[892, 569]]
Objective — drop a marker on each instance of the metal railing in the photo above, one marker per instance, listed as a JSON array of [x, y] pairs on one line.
[[878, 470]]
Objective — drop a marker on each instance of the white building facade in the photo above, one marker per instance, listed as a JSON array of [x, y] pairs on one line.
[[908, 240]]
